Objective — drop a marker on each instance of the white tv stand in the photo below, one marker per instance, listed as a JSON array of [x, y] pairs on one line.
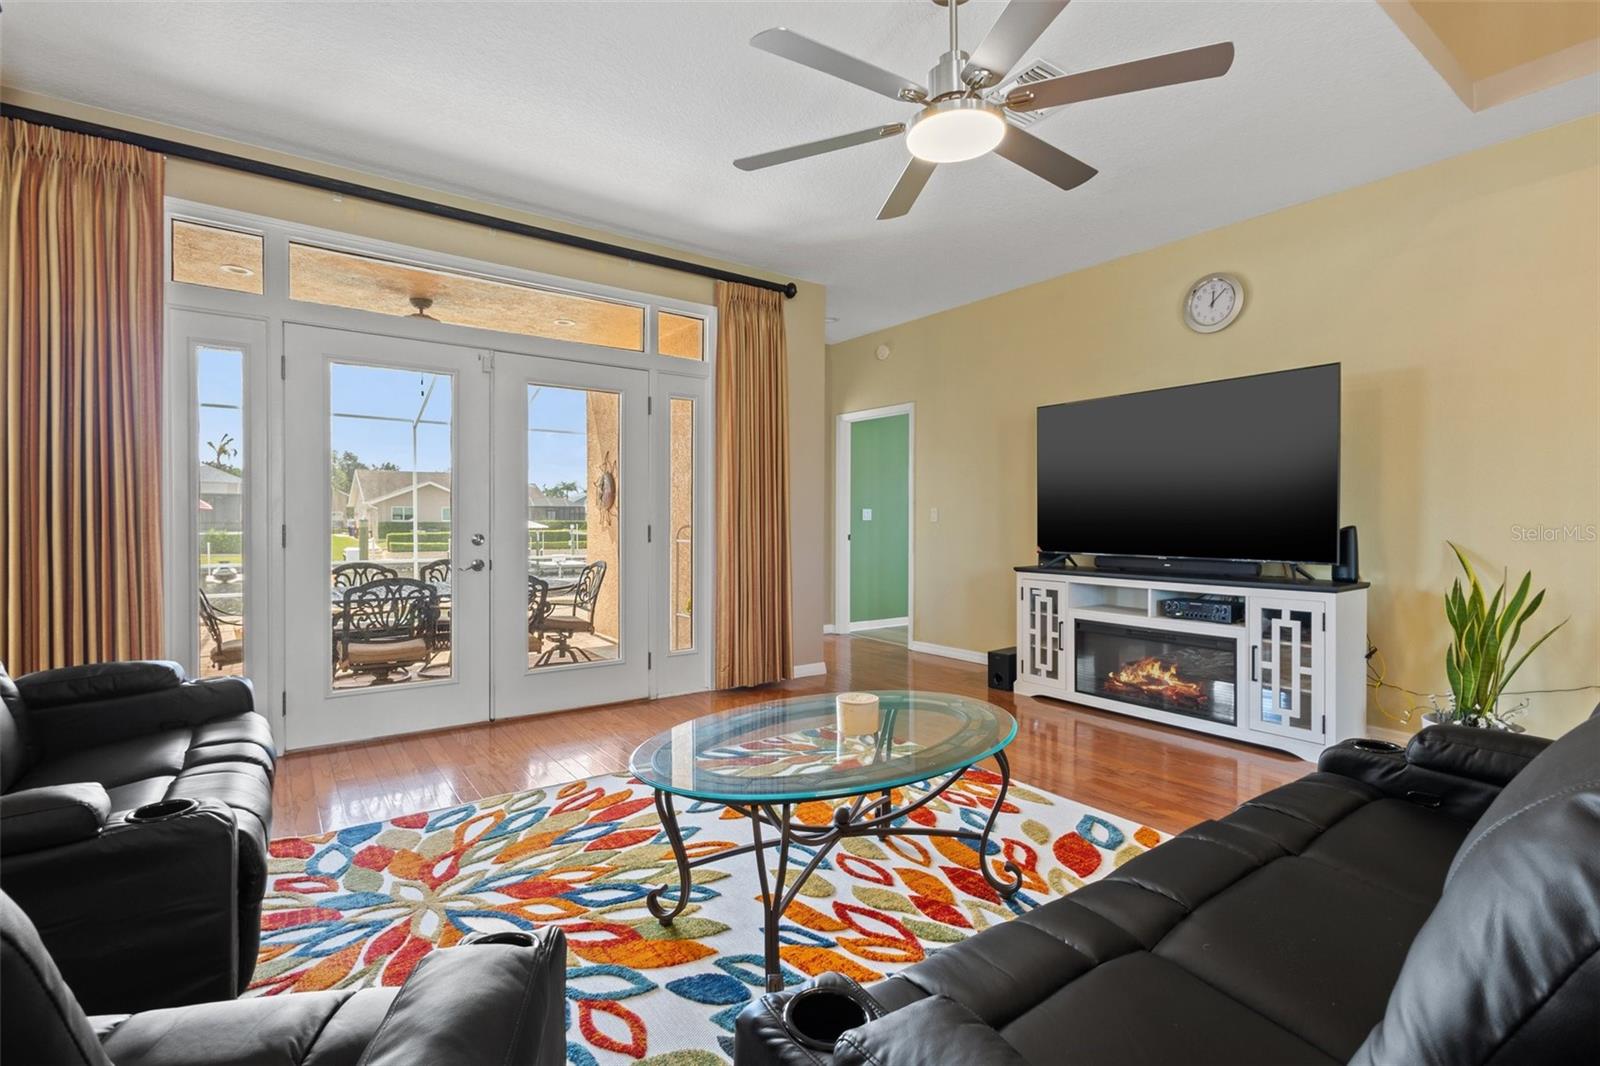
[[1290, 673]]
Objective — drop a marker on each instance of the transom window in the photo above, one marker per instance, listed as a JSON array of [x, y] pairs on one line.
[[367, 283]]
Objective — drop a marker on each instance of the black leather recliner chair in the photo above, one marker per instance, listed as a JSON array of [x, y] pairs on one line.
[[1433, 905], [135, 806], [489, 1001]]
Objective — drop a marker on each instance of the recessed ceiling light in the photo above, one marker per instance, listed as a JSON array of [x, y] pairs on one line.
[[565, 322], [236, 270]]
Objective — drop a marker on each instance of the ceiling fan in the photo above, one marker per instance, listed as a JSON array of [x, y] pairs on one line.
[[961, 117]]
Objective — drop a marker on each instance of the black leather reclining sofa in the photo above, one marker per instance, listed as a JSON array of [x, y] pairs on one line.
[[135, 806], [496, 1000], [1433, 905]]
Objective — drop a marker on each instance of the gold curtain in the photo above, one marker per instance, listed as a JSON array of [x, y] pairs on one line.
[[753, 591], [80, 399]]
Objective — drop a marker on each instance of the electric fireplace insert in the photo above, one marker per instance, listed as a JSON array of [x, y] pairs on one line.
[[1181, 673]]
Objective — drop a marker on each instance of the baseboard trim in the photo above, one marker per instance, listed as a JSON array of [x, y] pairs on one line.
[[879, 623], [966, 655], [810, 669], [829, 629]]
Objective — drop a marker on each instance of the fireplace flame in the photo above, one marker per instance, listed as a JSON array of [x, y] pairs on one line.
[[1155, 677]]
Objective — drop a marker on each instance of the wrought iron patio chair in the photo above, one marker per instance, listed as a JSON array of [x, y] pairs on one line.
[[222, 653], [349, 575], [437, 573], [538, 608], [386, 626], [565, 620]]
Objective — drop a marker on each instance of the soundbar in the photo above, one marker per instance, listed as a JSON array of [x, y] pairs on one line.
[[1148, 564]]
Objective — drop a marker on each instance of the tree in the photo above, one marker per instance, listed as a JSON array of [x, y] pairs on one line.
[[223, 451], [561, 490], [342, 469]]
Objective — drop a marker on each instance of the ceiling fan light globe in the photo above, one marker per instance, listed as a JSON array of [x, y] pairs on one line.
[[953, 131]]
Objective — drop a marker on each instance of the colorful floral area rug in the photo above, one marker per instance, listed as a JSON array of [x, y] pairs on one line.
[[360, 906]]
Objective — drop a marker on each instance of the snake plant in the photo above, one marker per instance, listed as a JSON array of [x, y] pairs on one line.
[[1486, 631]]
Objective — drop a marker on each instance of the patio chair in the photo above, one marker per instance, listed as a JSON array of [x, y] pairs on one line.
[[437, 573], [563, 621], [349, 575], [222, 653], [386, 626], [538, 607]]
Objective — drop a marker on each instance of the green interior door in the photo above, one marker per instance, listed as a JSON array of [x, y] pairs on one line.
[[880, 507]]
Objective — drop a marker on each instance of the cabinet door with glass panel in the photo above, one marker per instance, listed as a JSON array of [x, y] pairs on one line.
[[1040, 618], [1286, 671]]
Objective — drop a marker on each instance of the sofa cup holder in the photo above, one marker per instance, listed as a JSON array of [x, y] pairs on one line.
[[163, 810], [816, 1017], [515, 939], [1383, 747]]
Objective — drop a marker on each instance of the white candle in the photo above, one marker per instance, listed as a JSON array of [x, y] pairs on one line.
[[857, 713]]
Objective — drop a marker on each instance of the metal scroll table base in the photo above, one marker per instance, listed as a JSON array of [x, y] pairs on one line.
[[868, 815]]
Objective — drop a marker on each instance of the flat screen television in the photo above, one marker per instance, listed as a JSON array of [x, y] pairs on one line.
[[1245, 468]]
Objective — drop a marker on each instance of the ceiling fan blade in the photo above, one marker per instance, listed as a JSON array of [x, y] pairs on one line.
[[1013, 33], [1194, 64], [906, 190], [810, 148], [806, 52], [1045, 160]]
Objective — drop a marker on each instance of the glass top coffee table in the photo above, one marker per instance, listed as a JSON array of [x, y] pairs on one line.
[[764, 759]]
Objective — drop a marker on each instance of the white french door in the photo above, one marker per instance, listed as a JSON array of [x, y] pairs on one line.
[[572, 574], [386, 492], [546, 511]]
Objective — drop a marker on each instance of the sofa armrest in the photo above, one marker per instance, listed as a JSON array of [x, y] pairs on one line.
[[478, 1003], [144, 914], [36, 818], [1458, 770], [930, 1032], [1493, 756], [131, 705]]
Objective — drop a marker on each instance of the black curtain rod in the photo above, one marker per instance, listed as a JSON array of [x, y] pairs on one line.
[[383, 196]]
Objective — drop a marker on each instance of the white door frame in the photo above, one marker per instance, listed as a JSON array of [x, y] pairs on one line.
[[842, 512]]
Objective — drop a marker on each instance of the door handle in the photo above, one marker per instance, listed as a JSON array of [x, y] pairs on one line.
[[1254, 651], [475, 565]]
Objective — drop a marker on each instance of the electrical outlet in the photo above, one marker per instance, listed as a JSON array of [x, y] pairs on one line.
[[933, 514]]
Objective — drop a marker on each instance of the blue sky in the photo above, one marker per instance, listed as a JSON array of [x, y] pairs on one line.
[[556, 445]]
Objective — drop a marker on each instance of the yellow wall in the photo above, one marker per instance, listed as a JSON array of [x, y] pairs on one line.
[[1462, 300], [803, 315]]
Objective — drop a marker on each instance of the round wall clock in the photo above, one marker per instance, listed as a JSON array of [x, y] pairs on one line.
[[1213, 303]]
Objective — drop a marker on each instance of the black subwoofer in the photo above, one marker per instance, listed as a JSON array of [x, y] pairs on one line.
[[1003, 669]]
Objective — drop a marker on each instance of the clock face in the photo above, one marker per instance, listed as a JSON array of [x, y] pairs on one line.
[[1213, 303]]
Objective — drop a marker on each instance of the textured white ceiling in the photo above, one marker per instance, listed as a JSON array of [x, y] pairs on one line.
[[628, 115]]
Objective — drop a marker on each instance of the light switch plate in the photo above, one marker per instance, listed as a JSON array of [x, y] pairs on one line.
[[866, 514]]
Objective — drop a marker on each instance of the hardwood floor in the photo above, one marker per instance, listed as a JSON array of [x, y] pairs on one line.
[[1166, 778]]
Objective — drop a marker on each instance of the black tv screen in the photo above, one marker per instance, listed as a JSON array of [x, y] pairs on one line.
[[1246, 468]]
